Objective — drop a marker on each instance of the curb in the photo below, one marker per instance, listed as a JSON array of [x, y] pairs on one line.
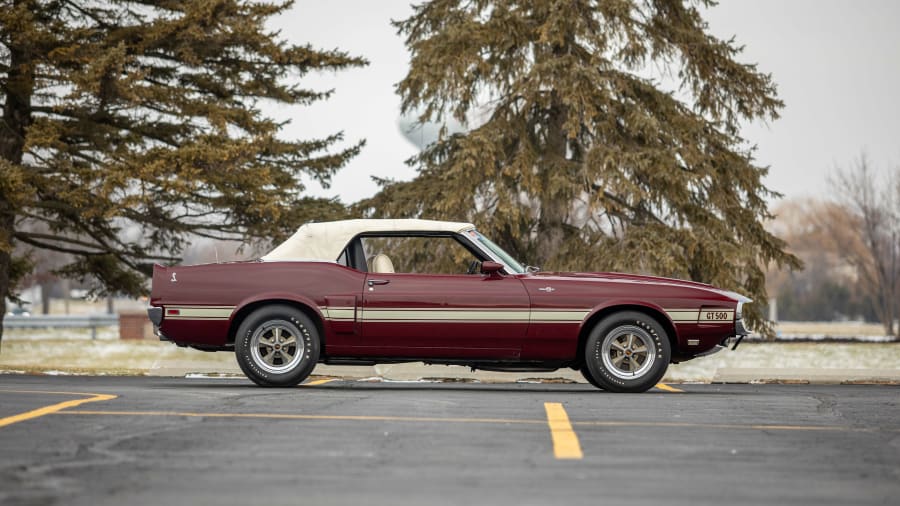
[[808, 376]]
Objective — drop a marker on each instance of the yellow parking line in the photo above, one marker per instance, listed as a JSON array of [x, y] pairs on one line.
[[667, 388], [565, 442], [554, 421], [291, 416], [318, 382], [9, 420]]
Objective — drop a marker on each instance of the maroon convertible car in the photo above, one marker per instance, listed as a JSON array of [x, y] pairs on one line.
[[387, 291]]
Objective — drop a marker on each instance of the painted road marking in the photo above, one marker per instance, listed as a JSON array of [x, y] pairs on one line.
[[688, 425], [9, 420], [317, 382], [289, 416], [519, 421], [667, 388], [565, 442]]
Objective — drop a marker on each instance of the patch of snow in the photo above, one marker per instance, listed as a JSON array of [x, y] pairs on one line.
[[823, 338], [420, 380], [198, 375]]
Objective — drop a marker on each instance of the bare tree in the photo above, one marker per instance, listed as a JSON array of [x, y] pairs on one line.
[[870, 240]]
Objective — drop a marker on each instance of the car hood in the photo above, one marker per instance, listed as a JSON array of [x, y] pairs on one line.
[[634, 278]]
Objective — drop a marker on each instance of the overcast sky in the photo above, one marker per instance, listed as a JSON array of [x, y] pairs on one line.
[[836, 64]]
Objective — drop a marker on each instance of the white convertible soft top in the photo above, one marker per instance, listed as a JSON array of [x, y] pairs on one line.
[[326, 240]]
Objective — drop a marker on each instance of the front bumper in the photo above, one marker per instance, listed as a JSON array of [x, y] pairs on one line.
[[740, 332], [740, 329]]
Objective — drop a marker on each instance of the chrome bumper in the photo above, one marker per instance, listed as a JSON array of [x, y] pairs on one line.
[[156, 314], [740, 332]]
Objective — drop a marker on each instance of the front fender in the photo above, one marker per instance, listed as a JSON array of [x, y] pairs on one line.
[[607, 307]]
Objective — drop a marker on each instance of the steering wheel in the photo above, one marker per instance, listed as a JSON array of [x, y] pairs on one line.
[[474, 267]]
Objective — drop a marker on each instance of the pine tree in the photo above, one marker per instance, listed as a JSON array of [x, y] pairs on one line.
[[132, 127], [576, 157]]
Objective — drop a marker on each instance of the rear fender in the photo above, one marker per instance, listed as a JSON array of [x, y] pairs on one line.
[[247, 305]]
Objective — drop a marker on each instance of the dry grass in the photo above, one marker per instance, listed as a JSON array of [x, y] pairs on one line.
[[836, 329], [100, 355], [790, 356]]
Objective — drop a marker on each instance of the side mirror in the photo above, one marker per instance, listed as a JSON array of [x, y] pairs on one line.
[[492, 268]]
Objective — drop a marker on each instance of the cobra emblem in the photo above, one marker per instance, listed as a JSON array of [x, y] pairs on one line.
[[173, 278]]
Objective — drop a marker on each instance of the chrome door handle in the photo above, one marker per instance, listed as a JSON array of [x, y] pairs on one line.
[[373, 282]]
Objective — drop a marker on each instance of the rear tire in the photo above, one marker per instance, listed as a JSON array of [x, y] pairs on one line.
[[277, 346], [627, 352]]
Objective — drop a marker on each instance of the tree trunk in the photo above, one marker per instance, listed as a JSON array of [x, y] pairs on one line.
[[16, 118], [6, 229], [556, 196], [46, 287], [555, 200], [889, 301]]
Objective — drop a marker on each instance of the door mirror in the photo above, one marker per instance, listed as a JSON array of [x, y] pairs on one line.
[[492, 268]]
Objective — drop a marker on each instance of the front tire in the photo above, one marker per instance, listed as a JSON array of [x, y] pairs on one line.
[[277, 346], [627, 352], [590, 377]]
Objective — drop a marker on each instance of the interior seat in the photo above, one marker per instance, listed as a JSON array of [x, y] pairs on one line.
[[382, 263]]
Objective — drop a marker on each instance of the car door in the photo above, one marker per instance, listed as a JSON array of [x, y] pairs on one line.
[[436, 303]]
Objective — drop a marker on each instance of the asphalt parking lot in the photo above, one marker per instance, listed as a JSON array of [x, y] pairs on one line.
[[135, 440]]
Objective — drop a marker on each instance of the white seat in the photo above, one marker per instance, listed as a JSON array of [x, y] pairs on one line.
[[382, 263]]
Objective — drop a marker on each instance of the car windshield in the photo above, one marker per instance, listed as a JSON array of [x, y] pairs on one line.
[[497, 251]]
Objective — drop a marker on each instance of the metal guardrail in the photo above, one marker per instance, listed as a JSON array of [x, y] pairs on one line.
[[61, 321]]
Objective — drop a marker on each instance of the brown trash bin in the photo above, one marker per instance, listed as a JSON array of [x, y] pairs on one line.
[[135, 325]]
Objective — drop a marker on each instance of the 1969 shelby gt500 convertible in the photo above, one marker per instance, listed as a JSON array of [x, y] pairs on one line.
[[387, 291]]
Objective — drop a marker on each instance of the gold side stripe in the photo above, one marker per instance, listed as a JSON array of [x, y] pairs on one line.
[[213, 318], [339, 312], [460, 320], [683, 315], [197, 307], [462, 314], [553, 316], [452, 314], [196, 312], [401, 315]]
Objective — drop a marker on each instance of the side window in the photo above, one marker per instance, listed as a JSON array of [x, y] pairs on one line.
[[421, 255], [342, 260]]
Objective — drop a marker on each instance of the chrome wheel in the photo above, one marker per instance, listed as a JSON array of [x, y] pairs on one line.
[[627, 352], [277, 346]]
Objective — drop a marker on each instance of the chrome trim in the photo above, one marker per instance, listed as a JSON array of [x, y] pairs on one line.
[[631, 343], [740, 329]]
